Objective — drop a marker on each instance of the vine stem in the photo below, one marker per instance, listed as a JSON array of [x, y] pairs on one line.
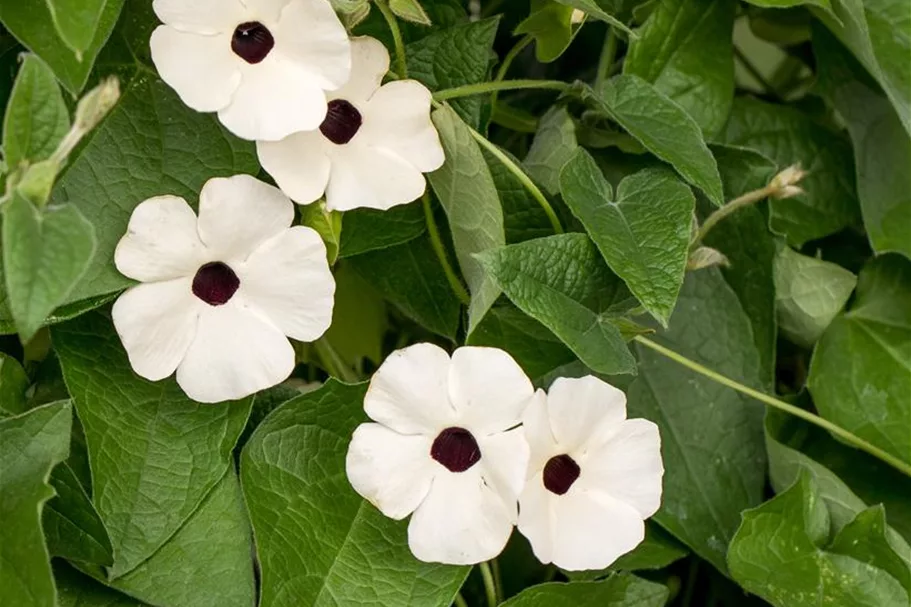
[[401, 63], [773, 402], [490, 586], [606, 61], [460, 600], [511, 56], [498, 85], [438, 248], [732, 207], [332, 362]]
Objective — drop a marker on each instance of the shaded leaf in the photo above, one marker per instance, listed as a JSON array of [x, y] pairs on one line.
[[72, 527], [553, 145], [365, 230], [621, 590]]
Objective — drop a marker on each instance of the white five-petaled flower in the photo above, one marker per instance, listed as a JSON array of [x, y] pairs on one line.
[[373, 147], [593, 476], [445, 447], [221, 292], [263, 65]]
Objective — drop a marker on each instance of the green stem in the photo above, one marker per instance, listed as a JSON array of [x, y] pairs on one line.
[[731, 207], [497, 580], [606, 62], [332, 362], [773, 402], [480, 88], [511, 56], [437, 243], [460, 600], [490, 587], [401, 63]]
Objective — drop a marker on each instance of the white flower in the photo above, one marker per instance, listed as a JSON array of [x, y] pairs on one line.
[[263, 65], [446, 446], [372, 148], [220, 293], [593, 475]]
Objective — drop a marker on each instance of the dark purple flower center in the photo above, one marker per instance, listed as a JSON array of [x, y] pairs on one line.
[[215, 283], [252, 41], [456, 449], [560, 473], [342, 122]]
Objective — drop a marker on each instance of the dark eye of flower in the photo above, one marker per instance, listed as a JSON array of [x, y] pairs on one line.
[[252, 41], [456, 449], [560, 473], [342, 122], [215, 283]]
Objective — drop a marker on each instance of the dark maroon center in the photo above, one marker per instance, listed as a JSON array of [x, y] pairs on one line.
[[560, 473], [342, 122], [215, 283], [252, 41], [456, 449]]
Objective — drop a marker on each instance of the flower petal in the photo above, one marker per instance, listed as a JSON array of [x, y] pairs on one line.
[[372, 178], [462, 521], [540, 439], [202, 69], [488, 389], [275, 98], [267, 12], [397, 119], [239, 213], [390, 470], [504, 457], [535, 518], [310, 35], [201, 16], [408, 392], [235, 353], [583, 408], [298, 163], [369, 63], [161, 242], [628, 466], [288, 279], [156, 323]]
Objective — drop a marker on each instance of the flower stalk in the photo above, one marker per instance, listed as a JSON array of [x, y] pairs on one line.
[[437, 243], [490, 586], [481, 88], [400, 60]]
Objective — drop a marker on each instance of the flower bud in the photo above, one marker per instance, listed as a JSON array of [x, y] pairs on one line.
[[784, 184]]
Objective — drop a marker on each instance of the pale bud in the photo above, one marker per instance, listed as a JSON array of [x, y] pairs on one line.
[[784, 184], [577, 16], [97, 103]]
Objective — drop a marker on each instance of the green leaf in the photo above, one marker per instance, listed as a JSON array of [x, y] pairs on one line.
[[72, 527], [557, 281], [779, 554], [77, 590], [685, 50], [662, 126], [810, 292], [328, 225], [711, 435], [552, 147], [150, 144], [878, 32], [45, 253], [410, 277], [36, 117], [410, 10], [788, 137], [154, 453], [359, 319], [880, 144], [600, 9], [31, 444], [658, 550], [13, 384], [621, 590], [778, 4], [77, 21], [864, 539], [643, 231], [454, 56], [312, 530], [29, 21], [365, 230], [468, 195], [550, 24], [523, 217], [860, 375]]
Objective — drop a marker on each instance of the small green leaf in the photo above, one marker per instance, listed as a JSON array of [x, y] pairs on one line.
[[44, 256], [323, 531], [523, 217], [75, 589], [77, 21], [328, 225], [365, 230], [643, 231], [468, 195], [864, 539], [72, 527], [550, 24], [600, 9], [410, 10], [13, 384], [662, 126], [810, 292], [552, 279], [621, 590], [552, 147], [36, 117], [31, 444]]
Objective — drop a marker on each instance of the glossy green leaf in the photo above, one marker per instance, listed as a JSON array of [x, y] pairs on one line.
[[469, 196], [45, 254], [550, 24], [365, 230], [685, 50], [561, 281], [523, 217], [72, 527], [77, 21], [712, 443], [410, 10], [154, 453], [553, 145], [31, 444], [642, 231], [662, 126], [860, 375], [75, 589], [621, 590], [787, 136], [328, 224], [13, 384], [36, 117], [318, 542]]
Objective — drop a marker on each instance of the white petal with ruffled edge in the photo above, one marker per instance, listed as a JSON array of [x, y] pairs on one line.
[[299, 163], [390, 470], [504, 457], [324, 52], [202, 69], [369, 64], [201, 16], [583, 408], [372, 178]]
